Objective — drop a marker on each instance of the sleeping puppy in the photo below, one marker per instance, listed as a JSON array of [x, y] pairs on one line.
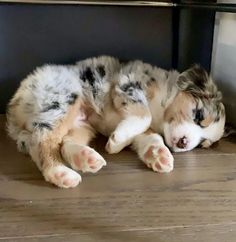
[[58, 110]]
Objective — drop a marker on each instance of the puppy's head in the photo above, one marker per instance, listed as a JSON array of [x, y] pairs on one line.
[[197, 115]]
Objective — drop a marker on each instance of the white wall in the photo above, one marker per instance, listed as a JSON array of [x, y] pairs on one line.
[[224, 60]]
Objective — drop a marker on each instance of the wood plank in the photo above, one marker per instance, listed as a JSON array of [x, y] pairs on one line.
[[124, 200], [212, 233]]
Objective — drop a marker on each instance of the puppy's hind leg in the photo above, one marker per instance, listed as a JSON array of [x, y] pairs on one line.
[[45, 147], [45, 152], [77, 153]]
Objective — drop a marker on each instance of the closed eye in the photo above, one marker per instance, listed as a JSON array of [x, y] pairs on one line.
[[198, 116]]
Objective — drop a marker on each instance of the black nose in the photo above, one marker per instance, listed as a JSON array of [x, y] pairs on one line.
[[182, 143]]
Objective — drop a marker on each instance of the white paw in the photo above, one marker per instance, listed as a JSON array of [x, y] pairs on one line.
[[159, 158], [115, 144], [83, 158], [62, 176]]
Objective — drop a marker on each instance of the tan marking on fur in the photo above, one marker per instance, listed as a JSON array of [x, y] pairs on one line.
[[14, 102], [138, 110], [24, 126], [49, 145], [177, 110], [206, 143], [81, 135], [152, 89], [15, 113], [207, 121], [117, 100], [109, 116], [129, 107]]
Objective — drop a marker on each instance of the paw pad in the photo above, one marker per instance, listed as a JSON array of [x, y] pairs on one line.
[[62, 176], [83, 158], [159, 159]]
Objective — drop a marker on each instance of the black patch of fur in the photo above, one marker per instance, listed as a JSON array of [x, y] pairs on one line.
[[88, 76], [195, 81], [42, 126], [133, 100], [72, 98], [129, 87], [53, 106], [217, 119], [198, 116], [101, 70], [198, 75]]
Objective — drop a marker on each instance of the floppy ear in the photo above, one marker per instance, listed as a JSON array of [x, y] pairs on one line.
[[197, 82], [194, 80]]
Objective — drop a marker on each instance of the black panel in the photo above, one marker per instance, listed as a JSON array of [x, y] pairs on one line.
[[196, 30], [31, 35], [175, 31], [195, 37]]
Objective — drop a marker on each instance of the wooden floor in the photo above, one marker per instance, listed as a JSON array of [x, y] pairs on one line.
[[125, 201]]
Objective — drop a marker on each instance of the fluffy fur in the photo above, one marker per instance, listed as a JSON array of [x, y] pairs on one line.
[[57, 110]]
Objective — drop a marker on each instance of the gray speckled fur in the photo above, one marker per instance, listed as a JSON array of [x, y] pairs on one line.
[[45, 95]]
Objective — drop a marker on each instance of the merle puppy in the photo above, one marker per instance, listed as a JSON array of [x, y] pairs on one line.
[[58, 109]]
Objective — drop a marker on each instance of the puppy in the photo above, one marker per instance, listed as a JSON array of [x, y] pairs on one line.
[[58, 110]]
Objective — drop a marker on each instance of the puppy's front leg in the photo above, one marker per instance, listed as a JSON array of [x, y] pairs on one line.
[[126, 130], [153, 152], [137, 119], [130, 102]]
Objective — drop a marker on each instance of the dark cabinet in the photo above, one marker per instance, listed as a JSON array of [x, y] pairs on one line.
[[170, 34]]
